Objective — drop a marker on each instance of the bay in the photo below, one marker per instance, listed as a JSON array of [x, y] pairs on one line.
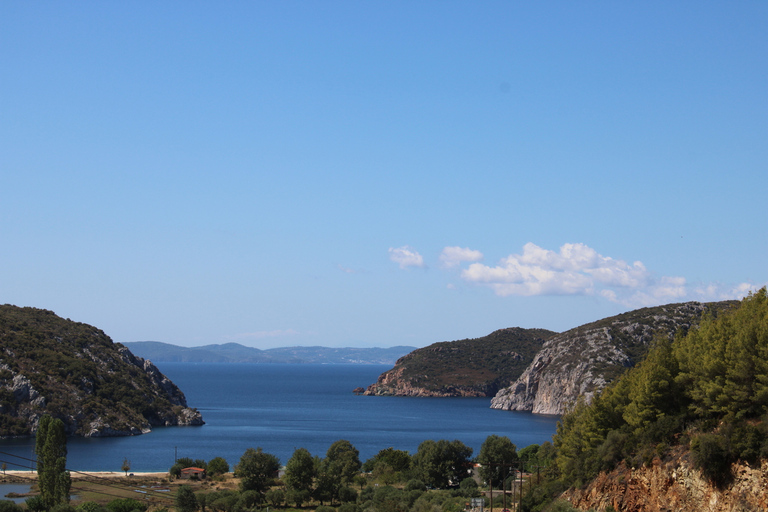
[[281, 407]]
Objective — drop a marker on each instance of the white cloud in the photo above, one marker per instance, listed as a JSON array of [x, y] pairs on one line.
[[406, 257], [453, 256], [576, 269]]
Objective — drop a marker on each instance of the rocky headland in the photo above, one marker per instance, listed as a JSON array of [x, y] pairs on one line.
[[75, 372], [583, 360]]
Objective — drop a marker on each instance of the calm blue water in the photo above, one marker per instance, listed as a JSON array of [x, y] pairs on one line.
[[281, 407]]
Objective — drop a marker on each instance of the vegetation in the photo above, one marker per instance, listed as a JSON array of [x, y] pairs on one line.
[[51, 451], [706, 390], [82, 375], [498, 459], [257, 470], [442, 463], [478, 367]]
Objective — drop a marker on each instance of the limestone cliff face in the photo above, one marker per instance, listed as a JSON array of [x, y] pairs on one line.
[[583, 360], [673, 486], [74, 372]]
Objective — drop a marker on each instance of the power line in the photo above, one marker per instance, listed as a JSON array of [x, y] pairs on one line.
[[111, 483], [83, 489]]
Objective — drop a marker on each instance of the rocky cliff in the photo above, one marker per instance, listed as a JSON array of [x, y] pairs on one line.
[[73, 371], [673, 485], [583, 360], [471, 367]]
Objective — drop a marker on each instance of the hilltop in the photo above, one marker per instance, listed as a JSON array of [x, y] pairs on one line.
[[75, 372]]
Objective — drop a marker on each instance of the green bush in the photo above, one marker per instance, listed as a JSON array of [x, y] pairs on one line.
[[276, 497], [415, 485], [349, 507], [89, 506], [711, 457], [9, 506]]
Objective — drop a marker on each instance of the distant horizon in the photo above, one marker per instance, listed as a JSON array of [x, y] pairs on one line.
[[258, 348]]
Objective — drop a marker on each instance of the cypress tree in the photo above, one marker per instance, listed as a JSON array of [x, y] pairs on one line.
[[51, 450]]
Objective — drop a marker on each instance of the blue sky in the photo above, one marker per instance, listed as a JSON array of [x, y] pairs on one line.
[[378, 173]]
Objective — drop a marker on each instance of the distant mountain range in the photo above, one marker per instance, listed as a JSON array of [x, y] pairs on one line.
[[158, 352]]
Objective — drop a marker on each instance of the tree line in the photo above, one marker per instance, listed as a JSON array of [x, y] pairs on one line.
[[341, 479]]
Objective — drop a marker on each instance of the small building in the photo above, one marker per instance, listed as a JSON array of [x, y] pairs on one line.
[[193, 473]]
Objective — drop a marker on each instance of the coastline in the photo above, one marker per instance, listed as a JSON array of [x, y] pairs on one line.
[[79, 475]]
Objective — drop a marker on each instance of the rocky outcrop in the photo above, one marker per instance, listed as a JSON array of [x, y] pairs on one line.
[[673, 486], [74, 372], [583, 360], [476, 367]]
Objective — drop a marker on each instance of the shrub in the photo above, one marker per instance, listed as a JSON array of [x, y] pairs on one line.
[[711, 457], [349, 507], [89, 506], [9, 506], [415, 485], [126, 505], [347, 495], [298, 496], [276, 497], [468, 488]]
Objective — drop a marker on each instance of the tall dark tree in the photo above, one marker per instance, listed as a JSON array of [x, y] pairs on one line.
[[339, 467], [51, 450], [344, 459], [441, 463], [300, 471], [398, 460], [256, 470], [185, 501], [497, 459], [217, 466]]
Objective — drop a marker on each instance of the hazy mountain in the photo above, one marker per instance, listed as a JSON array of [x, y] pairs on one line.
[[158, 352]]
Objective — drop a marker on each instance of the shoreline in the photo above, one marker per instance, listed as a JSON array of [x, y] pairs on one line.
[[77, 475]]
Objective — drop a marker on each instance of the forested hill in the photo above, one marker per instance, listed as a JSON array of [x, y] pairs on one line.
[[74, 372], [683, 430], [470, 367]]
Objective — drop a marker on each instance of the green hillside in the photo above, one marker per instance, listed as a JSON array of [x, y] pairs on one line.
[[74, 372], [705, 393], [469, 367]]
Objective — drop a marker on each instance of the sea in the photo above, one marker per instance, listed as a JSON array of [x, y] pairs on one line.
[[282, 407]]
